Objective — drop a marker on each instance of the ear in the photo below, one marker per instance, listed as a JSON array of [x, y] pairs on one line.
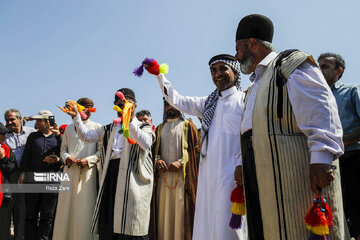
[[251, 44], [340, 71]]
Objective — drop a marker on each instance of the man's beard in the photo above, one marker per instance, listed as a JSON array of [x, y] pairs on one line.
[[172, 114], [246, 64]]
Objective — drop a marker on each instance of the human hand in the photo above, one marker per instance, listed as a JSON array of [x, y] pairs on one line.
[[238, 175], [82, 162], [69, 161], [161, 166], [73, 111], [175, 166], [2, 153], [321, 175], [51, 159], [55, 129]]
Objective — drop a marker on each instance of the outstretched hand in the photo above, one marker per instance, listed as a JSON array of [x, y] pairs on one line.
[[73, 110], [321, 176]]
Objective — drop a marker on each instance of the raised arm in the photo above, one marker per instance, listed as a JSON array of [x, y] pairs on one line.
[[85, 134], [144, 136], [189, 105]]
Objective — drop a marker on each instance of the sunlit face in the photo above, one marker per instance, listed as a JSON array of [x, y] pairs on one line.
[[145, 119], [329, 70], [244, 56], [12, 122], [222, 75]]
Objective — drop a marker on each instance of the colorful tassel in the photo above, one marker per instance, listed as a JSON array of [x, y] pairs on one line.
[[152, 67], [238, 208], [81, 109], [319, 218], [125, 119]]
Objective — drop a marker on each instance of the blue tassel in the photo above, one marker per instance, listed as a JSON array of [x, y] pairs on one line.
[[139, 71]]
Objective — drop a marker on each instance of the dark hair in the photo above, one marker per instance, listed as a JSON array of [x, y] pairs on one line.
[[339, 61], [143, 113]]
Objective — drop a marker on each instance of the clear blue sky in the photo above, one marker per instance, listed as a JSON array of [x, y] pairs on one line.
[[55, 50]]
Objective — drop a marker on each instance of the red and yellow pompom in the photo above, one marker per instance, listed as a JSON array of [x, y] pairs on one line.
[[319, 218], [152, 67], [238, 208]]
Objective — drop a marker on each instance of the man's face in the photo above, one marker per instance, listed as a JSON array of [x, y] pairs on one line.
[[222, 75], [145, 119], [42, 125], [2, 137], [171, 112], [121, 103], [244, 56], [328, 68], [12, 122], [87, 112]]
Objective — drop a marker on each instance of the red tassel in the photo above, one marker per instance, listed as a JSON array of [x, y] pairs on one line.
[[153, 68], [237, 195], [328, 214]]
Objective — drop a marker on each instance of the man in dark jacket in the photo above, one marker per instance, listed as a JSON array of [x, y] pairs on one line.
[[41, 155], [8, 174]]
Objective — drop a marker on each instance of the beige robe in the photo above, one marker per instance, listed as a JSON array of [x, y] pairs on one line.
[[75, 207], [170, 204]]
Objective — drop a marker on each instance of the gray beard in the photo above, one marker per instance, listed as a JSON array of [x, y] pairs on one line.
[[245, 66]]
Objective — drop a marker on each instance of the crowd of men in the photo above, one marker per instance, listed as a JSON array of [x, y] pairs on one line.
[[292, 135]]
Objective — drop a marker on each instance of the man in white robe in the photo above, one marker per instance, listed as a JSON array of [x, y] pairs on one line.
[[177, 159], [76, 206], [221, 112]]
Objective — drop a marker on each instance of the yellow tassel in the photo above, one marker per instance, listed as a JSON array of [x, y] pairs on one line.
[[164, 68], [320, 230], [117, 108], [238, 209]]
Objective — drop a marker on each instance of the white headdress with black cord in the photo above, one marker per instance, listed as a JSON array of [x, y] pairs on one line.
[[210, 103]]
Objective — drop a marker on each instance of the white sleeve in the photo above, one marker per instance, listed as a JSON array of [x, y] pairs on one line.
[[143, 138], [189, 105], [85, 134], [65, 146], [316, 113]]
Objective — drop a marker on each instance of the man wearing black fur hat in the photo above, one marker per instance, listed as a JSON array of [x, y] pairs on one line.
[[122, 209], [291, 137], [221, 113]]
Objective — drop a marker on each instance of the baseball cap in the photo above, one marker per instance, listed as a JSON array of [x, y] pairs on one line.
[[43, 114]]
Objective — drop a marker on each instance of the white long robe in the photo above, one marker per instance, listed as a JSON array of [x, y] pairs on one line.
[[170, 203], [76, 207], [216, 170]]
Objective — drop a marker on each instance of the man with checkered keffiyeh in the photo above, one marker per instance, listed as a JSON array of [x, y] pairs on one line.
[[221, 114]]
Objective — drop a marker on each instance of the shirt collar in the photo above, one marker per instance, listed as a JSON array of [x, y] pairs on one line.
[[337, 84], [228, 92], [262, 65]]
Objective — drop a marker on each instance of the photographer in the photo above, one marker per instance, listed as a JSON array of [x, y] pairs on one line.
[[41, 154]]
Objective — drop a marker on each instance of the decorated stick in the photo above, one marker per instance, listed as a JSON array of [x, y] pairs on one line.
[[125, 119], [152, 67], [238, 208], [319, 219], [81, 109]]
